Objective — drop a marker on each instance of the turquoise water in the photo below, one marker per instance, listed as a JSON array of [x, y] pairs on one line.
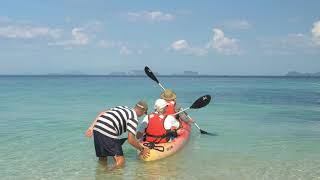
[[269, 128]]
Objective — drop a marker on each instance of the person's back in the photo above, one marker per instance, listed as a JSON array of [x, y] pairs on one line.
[[117, 121], [158, 125], [155, 131]]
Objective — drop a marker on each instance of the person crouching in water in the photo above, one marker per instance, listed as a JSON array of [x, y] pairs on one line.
[[171, 98], [157, 126]]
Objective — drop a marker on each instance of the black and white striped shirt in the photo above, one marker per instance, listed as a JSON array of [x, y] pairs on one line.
[[117, 121]]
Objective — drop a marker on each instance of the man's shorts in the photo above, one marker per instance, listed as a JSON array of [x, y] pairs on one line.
[[106, 146]]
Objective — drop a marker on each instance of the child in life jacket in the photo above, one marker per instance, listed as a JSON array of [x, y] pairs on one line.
[[157, 126]]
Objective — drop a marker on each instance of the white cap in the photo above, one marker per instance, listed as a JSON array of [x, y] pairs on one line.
[[160, 103]]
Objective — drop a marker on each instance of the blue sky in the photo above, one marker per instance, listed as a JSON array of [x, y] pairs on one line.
[[210, 37]]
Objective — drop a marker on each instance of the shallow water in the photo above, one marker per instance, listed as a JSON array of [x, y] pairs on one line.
[[269, 128]]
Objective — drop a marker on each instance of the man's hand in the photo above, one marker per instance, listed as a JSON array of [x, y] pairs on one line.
[[145, 152], [89, 132], [132, 140]]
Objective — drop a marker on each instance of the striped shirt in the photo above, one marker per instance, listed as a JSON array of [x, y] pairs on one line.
[[117, 121]]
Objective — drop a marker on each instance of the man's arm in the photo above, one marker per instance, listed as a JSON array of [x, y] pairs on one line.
[[132, 140], [90, 129]]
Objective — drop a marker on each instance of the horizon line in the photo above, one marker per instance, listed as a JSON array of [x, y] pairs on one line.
[[160, 75]]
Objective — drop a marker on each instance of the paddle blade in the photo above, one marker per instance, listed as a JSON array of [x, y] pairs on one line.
[[201, 102], [207, 133], [149, 73]]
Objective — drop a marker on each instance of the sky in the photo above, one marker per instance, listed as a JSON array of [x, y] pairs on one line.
[[210, 37]]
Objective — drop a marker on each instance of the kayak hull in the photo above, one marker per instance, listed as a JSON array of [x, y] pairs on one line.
[[163, 150]]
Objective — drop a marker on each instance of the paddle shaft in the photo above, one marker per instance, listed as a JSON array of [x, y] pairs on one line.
[[183, 110], [153, 77], [196, 125], [194, 122], [161, 86]]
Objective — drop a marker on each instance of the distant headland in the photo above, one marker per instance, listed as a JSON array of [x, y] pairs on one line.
[[299, 74], [141, 73]]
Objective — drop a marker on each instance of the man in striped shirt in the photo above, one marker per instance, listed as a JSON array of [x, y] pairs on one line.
[[110, 124]]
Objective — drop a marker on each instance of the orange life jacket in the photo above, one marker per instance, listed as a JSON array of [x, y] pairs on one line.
[[171, 107], [155, 131]]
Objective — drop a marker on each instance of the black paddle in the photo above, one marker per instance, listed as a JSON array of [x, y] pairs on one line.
[[149, 73], [199, 103]]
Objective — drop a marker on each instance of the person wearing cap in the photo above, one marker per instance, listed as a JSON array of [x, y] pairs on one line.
[[109, 125], [157, 127], [171, 98]]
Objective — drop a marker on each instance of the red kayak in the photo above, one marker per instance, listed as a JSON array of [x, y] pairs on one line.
[[162, 150]]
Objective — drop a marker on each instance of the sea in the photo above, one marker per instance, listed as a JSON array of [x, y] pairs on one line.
[[266, 127]]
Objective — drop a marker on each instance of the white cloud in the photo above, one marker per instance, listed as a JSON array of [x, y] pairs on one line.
[[150, 16], [219, 43], [183, 46], [123, 47], [22, 29], [223, 44], [294, 43], [289, 45], [28, 32], [12, 29], [238, 24], [125, 51], [180, 45], [79, 37], [316, 32]]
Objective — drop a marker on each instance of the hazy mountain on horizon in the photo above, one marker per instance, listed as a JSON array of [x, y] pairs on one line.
[[295, 73]]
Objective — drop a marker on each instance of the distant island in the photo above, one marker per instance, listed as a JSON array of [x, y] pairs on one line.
[[299, 74], [66, 74], [186, 73], [130, 73], [118, 74], [190, 73], [141, 73]]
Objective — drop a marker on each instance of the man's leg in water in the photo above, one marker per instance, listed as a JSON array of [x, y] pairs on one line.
[[103, 161], [119, 162]]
